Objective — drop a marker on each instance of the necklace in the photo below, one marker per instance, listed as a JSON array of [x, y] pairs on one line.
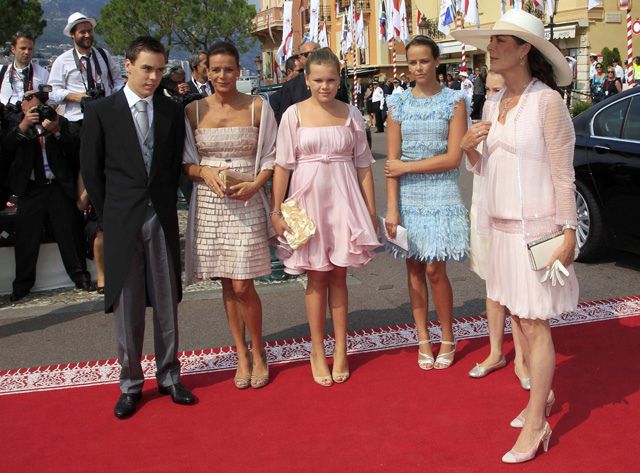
[[506, 103]]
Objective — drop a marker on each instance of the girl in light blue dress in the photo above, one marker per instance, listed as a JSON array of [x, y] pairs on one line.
[[424, 130]]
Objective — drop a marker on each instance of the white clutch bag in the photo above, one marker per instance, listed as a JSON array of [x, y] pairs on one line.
[[541, 250], [302, 227]]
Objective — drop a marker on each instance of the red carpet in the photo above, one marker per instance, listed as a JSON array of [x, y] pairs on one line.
[[389, 417]]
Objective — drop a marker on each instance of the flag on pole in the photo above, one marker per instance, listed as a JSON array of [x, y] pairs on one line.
[[382, 21], [314, 9], [344, 44], [323, 39], [471, 13], [516, 4], [397, 19], [418, 17], [446, 17], [503, 7], [549, 8], [361, 42], [594, 3], [286, 47], [404, 26], [269, 28]]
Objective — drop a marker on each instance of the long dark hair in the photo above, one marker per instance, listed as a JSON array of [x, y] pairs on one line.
[[539, 66]]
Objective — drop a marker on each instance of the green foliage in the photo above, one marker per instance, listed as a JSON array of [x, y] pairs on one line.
[[20, 15], [579, 107], [608, 56], [192, 25]]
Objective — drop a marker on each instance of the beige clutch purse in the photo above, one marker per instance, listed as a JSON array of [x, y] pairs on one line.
[[541, 250], [300, 223], [231, 178]]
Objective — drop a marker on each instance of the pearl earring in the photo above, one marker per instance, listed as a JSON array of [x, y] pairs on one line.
[[522, 61]]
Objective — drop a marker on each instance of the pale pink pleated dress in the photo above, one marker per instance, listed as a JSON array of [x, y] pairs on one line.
[[325, 183], [230, 235], [510, 279]]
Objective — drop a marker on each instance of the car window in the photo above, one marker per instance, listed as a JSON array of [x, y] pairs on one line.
[[632, 125], [608, 123]]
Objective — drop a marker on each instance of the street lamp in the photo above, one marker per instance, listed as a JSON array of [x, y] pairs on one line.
[[551, 23], [423, 26], [258, 62]]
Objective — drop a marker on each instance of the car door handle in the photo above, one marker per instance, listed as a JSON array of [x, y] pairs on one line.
[[601, 149]]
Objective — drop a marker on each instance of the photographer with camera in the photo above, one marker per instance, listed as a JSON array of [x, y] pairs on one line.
[[40, 151], [173, 85], [83, 73], [21, 74]]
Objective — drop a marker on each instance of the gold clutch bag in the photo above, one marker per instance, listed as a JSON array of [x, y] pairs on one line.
[[231, 178], [300, 223]]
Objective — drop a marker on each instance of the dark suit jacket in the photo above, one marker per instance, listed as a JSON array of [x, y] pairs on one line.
[[194, 90], [20, 153], [119, 188]]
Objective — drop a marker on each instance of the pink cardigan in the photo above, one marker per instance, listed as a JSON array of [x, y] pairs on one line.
[[545, 141]]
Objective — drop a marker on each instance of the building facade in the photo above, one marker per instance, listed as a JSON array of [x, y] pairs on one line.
[[578, 32]]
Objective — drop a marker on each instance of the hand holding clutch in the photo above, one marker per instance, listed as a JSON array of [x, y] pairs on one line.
[[301, 225], [554, 273]]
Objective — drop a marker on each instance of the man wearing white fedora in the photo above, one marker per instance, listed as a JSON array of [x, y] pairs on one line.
[[82, 73], [523, 149]]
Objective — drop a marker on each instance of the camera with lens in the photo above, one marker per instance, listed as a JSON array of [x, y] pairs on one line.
[[94, 93], [46, 112]]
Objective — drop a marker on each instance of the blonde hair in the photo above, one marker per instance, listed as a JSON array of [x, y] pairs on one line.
[[322, 57]]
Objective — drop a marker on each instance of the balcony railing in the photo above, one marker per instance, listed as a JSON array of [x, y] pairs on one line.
[[261, 21], [365, 5], [324, 15]]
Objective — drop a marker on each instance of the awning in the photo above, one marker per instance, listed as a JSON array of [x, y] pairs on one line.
[[452, 47], [560, 32]]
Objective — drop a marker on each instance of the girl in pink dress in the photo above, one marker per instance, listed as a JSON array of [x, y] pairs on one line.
[[323, 142]]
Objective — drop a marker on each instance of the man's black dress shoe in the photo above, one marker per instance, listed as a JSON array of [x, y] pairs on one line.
[[126, 405], [85, 283], [16, 296], [179, 394]]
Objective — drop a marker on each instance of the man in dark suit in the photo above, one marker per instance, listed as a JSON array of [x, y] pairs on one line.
[[292, 68], [40, 153], [296, 90], [130, 156], [200, 83]]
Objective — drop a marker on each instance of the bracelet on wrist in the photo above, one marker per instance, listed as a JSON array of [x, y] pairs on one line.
[[275, 212], [569, 227]]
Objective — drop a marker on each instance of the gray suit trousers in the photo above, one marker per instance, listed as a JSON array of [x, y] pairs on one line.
[[150, 275]]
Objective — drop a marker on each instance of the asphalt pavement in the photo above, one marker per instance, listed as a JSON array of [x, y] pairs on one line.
[[61, 329]]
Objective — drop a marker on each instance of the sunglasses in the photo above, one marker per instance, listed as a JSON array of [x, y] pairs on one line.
[[305, 54], [598, 67], [610, 72]]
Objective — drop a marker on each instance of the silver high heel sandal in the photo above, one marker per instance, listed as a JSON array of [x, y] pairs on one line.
[[518, 422], [516, 457], [425, 360], [441, 358]]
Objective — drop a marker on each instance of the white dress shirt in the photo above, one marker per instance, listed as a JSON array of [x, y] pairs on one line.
[[133, 98], [198, 86], [65, 77], [12, 93]]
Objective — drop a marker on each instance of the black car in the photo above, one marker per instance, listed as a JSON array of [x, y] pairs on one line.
[[607, 167]]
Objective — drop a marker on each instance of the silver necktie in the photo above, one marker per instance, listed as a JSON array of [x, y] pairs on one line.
[[142, 120]]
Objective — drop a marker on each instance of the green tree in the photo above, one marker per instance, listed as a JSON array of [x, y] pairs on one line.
[[192, 25], [20, 15]]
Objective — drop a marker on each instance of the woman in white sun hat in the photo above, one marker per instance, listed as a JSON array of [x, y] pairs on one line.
[[523, 149]]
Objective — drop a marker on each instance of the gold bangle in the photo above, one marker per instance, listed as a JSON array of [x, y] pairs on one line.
[[275, 212]]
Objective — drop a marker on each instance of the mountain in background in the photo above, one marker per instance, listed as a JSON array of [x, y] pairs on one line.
[[56, 12]]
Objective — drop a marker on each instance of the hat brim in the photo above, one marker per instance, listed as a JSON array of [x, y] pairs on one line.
[[69, 27], [480, 38]]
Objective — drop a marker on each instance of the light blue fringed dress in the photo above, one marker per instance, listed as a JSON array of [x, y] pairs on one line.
[[430, 204]]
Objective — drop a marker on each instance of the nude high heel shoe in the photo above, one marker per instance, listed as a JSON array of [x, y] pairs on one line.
[[516, 457], [518, 422], [258, 382]]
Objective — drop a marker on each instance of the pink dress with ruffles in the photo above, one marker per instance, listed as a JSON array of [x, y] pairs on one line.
[[325, 183]]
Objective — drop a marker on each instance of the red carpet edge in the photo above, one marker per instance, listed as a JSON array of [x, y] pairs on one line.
[[25, 380]]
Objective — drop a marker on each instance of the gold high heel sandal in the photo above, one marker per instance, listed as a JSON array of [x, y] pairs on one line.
[[325, 381], [243, 382], [516, 457], [258, 382], [339, 377], [441, 358], [518, 422], [425, 360]]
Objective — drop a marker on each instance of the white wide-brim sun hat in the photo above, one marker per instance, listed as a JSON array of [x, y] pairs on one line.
[[75, 19], [526, 27]]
